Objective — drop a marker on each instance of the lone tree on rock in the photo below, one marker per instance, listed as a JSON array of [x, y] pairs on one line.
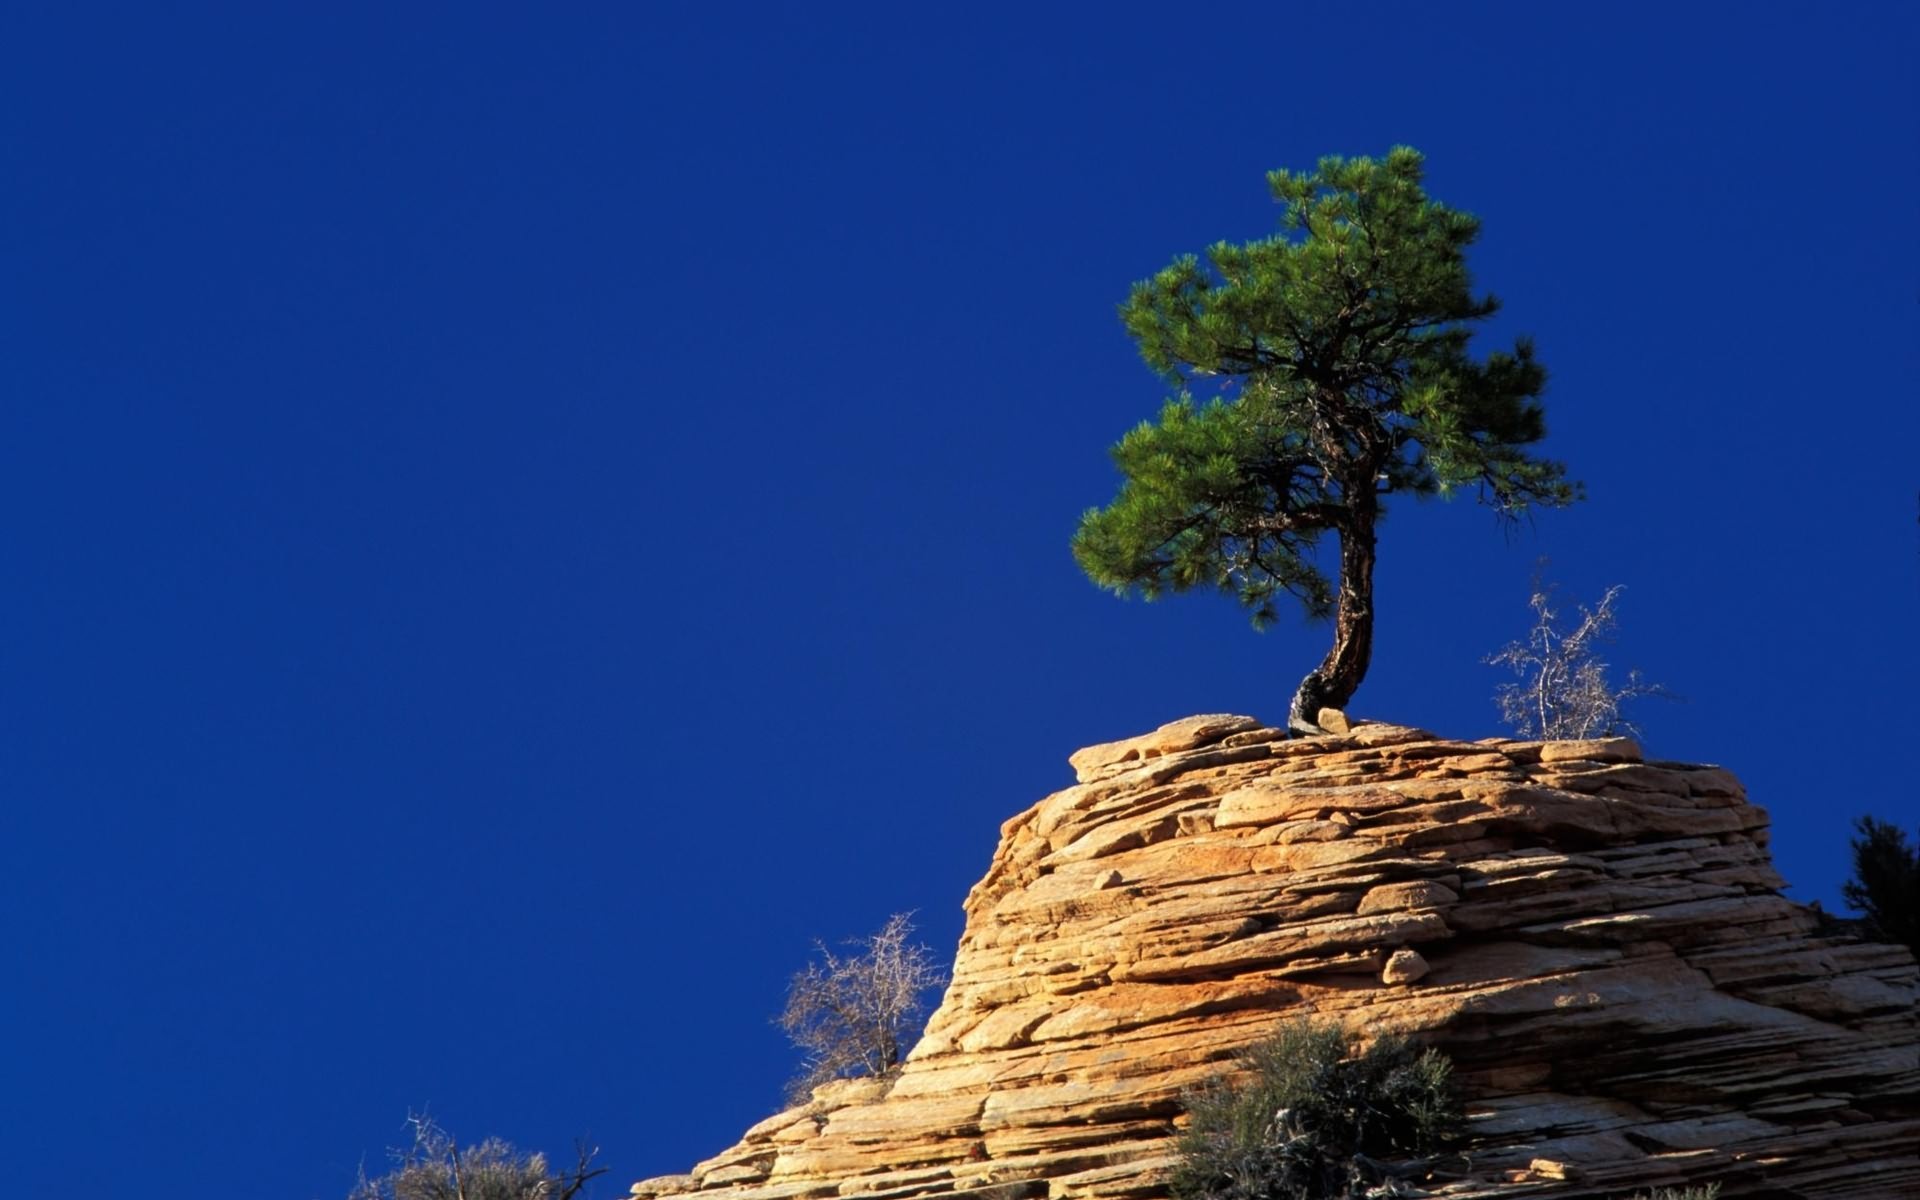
[[1340, 344], [1885, 888]]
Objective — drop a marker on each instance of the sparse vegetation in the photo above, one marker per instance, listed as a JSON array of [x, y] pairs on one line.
[[1885, 888], [1314, 1118], [855, 1015], [1564, 690], [436, 1167], [1710, 1192]]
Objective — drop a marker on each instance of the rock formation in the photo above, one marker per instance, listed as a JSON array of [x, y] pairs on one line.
[[1599, 942]]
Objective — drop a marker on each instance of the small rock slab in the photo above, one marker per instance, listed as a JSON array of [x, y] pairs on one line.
[[1110, 758], [1605, 750], [1548, 1168], [1404, 897]]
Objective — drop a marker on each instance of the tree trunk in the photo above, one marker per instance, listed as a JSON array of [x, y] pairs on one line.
[[1333, 683]]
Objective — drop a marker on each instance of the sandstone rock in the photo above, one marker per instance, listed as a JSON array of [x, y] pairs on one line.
[[1547, 1168], [1404, 966], [839, 1093], [1599, 943], [1096, 762], [1607, 750], [1333, 721], [1398, 897]]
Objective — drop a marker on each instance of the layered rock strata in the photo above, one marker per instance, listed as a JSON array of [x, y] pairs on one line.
[[1598, 941]]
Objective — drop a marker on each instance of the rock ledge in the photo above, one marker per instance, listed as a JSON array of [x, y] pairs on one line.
[[1600, 943]]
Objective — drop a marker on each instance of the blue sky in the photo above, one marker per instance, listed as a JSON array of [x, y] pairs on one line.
[[516, 522]]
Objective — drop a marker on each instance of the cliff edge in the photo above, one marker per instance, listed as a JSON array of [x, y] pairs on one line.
[[1598, 941]]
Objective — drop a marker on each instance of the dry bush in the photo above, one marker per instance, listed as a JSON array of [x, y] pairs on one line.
[[1563, 691], [436, 1167], [856, 1015]]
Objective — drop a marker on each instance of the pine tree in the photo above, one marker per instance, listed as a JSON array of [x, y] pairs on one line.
[[1885, 888], [1340, 346]]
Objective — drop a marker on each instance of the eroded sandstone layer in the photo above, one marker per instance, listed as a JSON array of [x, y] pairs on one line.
[[1598, 941]]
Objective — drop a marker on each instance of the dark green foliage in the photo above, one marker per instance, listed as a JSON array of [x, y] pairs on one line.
[[1312, 1118], [1337, 350], [1885, 888]]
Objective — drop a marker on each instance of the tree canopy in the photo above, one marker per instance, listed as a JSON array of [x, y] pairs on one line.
[[1340, 350], [1885, 888]]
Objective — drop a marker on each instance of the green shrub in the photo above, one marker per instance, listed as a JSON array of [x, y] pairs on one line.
[[1709, 1192], [1314, 1118]]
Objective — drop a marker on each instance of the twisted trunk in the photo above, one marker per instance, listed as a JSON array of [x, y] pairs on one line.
[[1333, 683]]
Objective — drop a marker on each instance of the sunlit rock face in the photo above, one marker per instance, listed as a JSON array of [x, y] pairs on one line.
[[1598, 941]]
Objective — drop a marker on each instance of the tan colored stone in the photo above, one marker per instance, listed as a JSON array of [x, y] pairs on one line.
[[1270, 801], [1195, 823], [1263, 803], [1312, 831], [839, 1093], [799, 1131], [1607, 750], [1404, 966], [1096, 762], [1007, 1026], [1563, 906], [1401, 897], [1333, 721], [742, 1173], [949, 1115], [770, 1127], [738, 1162]]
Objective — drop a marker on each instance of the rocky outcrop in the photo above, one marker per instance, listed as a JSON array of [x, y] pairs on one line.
[[1598, 941]]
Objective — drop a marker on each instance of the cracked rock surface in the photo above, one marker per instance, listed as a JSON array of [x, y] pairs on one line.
[[1599, 942]]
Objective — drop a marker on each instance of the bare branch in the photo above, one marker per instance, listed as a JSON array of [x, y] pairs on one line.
[[1563, 691], [853, 1016], [437, 1167]]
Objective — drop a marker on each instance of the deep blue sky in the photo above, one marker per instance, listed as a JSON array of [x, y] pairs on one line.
[[516, 522]]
